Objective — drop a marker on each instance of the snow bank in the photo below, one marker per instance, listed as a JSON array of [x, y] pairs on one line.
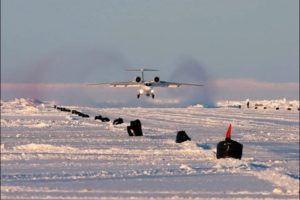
[[279, 103], [38, 148], [21, 105]]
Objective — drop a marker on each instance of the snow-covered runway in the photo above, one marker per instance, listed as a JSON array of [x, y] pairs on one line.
[[48, 154]]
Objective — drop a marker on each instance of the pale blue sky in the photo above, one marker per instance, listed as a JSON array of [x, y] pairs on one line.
[[238, 49], [232, 39]]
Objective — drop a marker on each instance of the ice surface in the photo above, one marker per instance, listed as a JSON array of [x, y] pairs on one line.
[[48, 154]]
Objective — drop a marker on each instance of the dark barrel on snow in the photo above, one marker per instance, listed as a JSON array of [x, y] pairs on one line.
[[99, 117], [182, 137], [229, 148], [105, 119], [118, 121], [135, 128]]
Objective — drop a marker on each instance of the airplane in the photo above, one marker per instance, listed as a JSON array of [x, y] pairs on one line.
[[146, 87]]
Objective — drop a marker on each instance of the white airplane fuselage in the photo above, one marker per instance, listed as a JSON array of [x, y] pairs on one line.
[[145, 89]]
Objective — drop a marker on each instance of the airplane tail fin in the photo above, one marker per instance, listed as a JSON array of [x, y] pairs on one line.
[[142, 70]]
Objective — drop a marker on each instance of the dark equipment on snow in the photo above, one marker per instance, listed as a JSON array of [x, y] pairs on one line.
[[135, 128], [229, 148], [63, 109], [277, 108], [83, 115], [182, 137], [118, 121], [80, 114], [98, 117], [66, 110], [75, 112], [105, 119], [248, 104]]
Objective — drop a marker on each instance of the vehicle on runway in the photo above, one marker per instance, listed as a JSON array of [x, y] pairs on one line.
[[146, 87]]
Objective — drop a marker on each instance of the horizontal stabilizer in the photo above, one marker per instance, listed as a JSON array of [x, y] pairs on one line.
[[142, 70]]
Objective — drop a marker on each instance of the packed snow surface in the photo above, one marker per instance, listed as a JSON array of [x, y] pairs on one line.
[[49, 154]]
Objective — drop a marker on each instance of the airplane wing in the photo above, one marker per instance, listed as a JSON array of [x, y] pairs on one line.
[[119, 84], [173, 84]]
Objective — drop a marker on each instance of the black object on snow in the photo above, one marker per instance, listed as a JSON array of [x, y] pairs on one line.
[[182, 137], [118, 121], [84, 115], [135, 128], [277, 108], [80, 114], [105, 119], [75, 112], [98, 117], [248, 104], [229, 148], [289, 109], [63, 109]]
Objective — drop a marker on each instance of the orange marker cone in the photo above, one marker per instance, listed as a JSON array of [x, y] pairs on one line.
[[228, 134], [229, 147]]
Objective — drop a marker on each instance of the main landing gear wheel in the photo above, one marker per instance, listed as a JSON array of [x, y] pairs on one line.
[[138, 96], [153, 96]]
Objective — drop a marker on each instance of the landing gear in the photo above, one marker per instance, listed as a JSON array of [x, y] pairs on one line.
[[138, 96], [152, 96]]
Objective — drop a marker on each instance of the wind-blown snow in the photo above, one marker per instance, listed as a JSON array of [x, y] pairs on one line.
[[48, 154]]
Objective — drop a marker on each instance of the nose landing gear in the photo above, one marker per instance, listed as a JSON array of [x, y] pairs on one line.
[[147, 94]]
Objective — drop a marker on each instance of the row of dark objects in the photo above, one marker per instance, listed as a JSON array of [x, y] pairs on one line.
[[103, 119], [98, 117], [106, 119], [135, 129], [277, 108], [62, 109], [225, 149], [257, 106], [71, 111], [80, 114]]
